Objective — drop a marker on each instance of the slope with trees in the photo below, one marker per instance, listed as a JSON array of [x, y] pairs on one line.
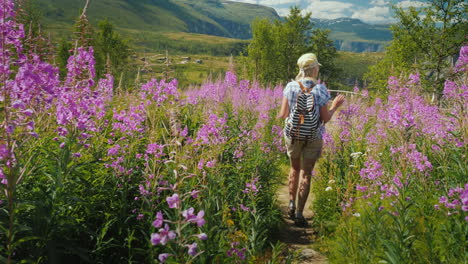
[[426, 40]]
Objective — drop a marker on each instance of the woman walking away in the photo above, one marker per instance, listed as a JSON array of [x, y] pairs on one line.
[[305, 109]]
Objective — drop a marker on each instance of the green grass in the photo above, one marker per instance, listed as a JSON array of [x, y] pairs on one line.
[[189, 74], [212, 17], [354, 65], [355, 37]]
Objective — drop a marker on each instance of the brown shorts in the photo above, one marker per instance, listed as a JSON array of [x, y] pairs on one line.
[[308, 149]]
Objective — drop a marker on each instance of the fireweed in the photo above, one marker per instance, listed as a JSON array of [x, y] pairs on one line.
[[403, 190], [147, 176]]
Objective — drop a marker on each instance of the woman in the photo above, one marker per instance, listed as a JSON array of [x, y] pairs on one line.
[[304, 153]]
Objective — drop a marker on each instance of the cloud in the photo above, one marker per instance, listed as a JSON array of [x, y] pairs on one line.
[[379, 2], [329, 9], [376, 14], [282, 11], [407, 4]]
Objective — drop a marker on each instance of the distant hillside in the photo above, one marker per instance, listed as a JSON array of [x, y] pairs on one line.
[[354, 35], [212, 17]]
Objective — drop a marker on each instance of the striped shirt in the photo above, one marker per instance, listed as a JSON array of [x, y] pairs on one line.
[[319, 91]]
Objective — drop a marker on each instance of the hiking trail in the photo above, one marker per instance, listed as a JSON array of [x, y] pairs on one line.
[[299, 240]]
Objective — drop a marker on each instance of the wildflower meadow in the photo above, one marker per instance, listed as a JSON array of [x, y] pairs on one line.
[[162, 173]]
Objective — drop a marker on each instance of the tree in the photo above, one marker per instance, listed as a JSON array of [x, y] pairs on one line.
[[112, 49], [322, 46], [276, 46], [425, 40], [293, 41], [63, 52], [260, 51]]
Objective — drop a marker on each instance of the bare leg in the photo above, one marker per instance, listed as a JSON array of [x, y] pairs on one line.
[[304, 189], [294, 178]]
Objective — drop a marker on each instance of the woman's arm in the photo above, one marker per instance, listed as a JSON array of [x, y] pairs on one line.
[[326, 114], [284, 110]]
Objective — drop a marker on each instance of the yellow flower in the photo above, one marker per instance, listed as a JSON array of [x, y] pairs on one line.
[[229, 222]]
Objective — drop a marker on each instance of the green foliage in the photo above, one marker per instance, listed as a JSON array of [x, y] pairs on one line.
[[275, 48], [353, 66], [359, 220], [220, 18], [425, 40], [323, 47], [63, 53], [112, 47]]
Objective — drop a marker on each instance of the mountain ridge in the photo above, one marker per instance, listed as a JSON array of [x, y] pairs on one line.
[[211, 17], [221, 18], [352, 34]]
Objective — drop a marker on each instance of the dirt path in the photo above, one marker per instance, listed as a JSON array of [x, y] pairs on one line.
[[299, 240]]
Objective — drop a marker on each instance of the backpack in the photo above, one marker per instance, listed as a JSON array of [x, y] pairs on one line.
[[304, 119]]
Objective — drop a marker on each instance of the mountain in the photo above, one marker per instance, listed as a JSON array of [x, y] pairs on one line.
[[212, 17], [354, 35], [152, 23]]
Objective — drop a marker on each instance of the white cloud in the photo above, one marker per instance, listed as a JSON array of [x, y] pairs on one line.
[[329, 9], [379, 2], [407, 4], [376, 14], [282, 11]]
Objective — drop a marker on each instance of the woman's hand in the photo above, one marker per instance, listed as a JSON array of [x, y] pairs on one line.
[[326, 114], [337, 102]]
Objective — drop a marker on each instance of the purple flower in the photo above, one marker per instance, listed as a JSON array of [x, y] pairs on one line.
[[244, 208], [202, 236], [238, 154], [462, 61], [192, 218], [173, 201], [194, 193], [210, 163], [4, 153], [158, 222], [155, 149], [163, 257], [201, 163], [361, 188], [114, 150], [443, 200], [372, 171], [192, 249], [164, 235]]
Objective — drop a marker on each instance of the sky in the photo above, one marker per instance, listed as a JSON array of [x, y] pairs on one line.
[[370, 11]]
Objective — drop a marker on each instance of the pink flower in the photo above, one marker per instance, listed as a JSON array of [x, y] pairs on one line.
[[192, 249], [165, 234], [173, 201], [163, 257], [194, 193], [192, 218], [159, 220], [211, 163], [202, 236], [201, 164]]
